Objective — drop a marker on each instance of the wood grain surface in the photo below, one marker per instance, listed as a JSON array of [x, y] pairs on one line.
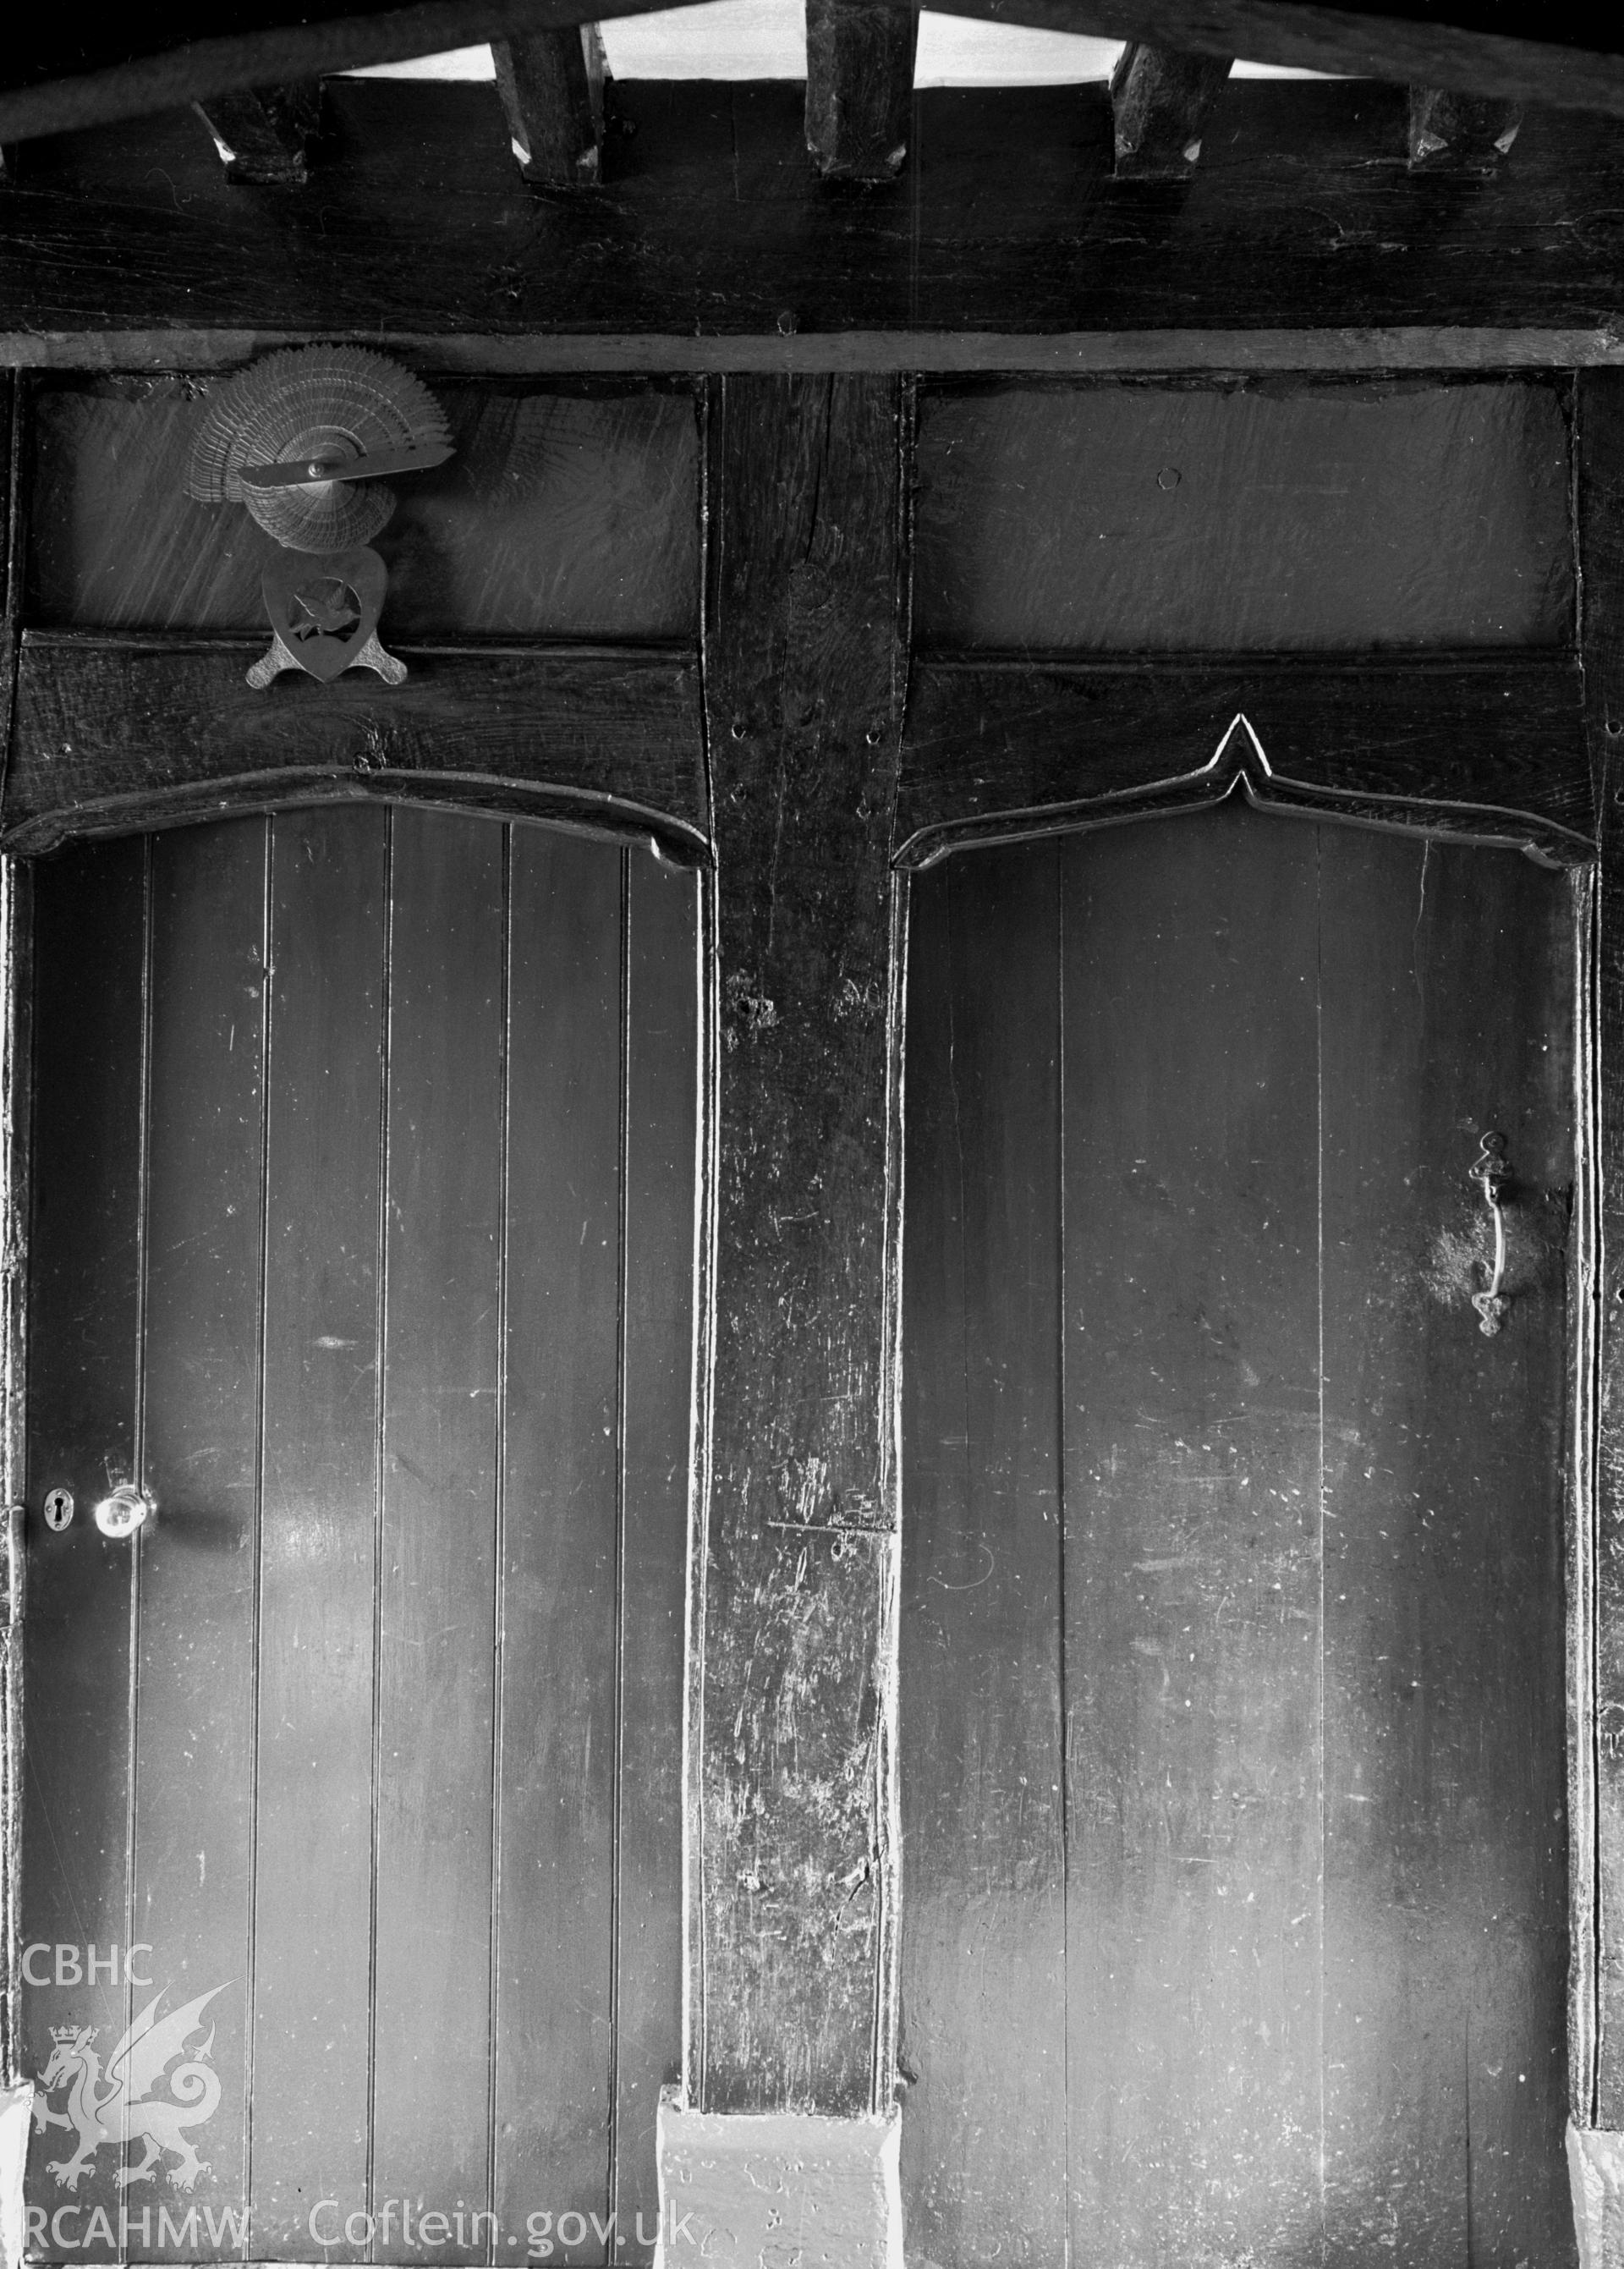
[[317, 1541], [982, 1768], [803, 684], [564, 514], [359, 1244], [62, 82], [1304, 1604], [712, 224], [84, 1400], [1161, 99], [1333, 516], [112, 735], [1494, 749]]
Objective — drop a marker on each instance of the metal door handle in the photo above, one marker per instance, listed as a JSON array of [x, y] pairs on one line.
[[123, 1510], [1491, 1173]]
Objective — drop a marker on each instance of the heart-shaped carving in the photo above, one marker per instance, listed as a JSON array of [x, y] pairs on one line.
[[324, 605]]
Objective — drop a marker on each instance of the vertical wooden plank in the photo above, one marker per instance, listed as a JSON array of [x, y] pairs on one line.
[[559, 1546], [1600, 418], [1446, 1011], [984, 1941], [436, 1701], [196, 1563], [661, 1134], [1192, 1473], [803, 680], [89, 950], [313, 1922], [16, 1107]]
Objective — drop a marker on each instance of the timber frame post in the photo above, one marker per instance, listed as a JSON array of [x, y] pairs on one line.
[[792, 1863]]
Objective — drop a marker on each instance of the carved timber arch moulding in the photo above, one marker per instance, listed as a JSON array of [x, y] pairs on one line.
[[1487, 752]]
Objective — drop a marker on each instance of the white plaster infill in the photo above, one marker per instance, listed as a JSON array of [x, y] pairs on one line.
[[16, 2108], [778, 2190], [1596, 2172]]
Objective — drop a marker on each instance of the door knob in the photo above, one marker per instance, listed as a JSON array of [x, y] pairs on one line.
[[123, 1510]]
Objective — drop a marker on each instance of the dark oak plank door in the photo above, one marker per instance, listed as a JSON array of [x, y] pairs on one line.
[[363, 1237], [1232, 1642]]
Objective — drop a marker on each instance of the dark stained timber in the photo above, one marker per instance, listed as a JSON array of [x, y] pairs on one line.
[[1370, 516], [62, 81], [1450, 132], [112, 737], [1446, 1008], [84, 1337], [1160, 103], [1307, 1587], [437, 1567], [197, 1564], [859, 87], [803, 685], [565, 512], [551, 87], [983, 1822], [316, 1652], [264, 135], [559, 1513], [1491, 750], [397, 1255], [714, 227], [1191, 1535], [662, 1014]]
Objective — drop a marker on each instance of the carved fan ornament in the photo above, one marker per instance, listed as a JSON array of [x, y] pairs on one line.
[[304, 441]]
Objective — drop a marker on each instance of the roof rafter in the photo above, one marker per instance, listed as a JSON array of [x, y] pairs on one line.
[[1464, 57]]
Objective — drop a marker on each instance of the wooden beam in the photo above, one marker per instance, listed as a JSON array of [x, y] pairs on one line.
[[859, 87], [716, 230], [1473, 56], [1457, 133], [264, 135], [551, 86], [1159, 105], [804, 661], [1492, 749], [120, 732]]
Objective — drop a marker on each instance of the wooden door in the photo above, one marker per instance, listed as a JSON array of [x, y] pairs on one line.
[[363, 1160], [1232, 1652]]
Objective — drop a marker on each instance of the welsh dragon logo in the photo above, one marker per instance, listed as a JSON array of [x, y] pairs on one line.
[[118, 2106]]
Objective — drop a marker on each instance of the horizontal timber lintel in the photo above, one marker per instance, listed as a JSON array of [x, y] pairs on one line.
[[1489, 747], [130, 731], [1058, 354]]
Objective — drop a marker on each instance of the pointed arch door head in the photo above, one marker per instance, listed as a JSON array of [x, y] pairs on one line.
[[1487, 751]]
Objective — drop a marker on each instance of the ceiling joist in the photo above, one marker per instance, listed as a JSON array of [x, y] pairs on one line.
[[1512, 50], [1460, 132], [859, 86], [264, 134], [714, 238], [551, 86], [1160, 100]]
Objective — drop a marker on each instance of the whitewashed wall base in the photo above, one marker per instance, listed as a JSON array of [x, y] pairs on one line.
[[16, 2117], [1596, 2170], [777, 2191]]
